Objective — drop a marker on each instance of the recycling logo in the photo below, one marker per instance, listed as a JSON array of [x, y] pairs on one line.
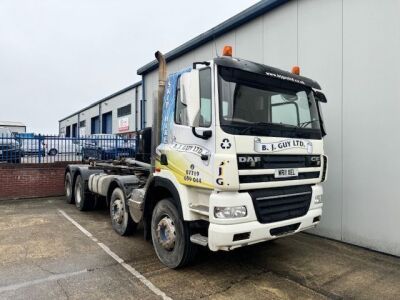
[[226, 144]]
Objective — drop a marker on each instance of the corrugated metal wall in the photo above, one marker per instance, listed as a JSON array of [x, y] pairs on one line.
[[351, 47]]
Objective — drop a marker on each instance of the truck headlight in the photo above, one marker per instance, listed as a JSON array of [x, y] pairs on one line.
[[230, 212], [318, 199]]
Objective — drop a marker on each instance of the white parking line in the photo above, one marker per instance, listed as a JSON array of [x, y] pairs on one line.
[[129, 268], [16, 286]]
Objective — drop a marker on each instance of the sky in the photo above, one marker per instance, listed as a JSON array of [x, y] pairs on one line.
[[58, 56]]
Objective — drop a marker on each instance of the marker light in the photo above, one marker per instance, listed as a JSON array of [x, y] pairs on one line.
[[230, 212], [227, 51], [296, 70]]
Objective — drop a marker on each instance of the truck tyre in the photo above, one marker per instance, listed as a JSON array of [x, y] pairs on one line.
[[69, 191], [83, 200], [171, 235], [120, 217]]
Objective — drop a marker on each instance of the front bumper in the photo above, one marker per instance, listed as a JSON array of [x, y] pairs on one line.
[[221, 236], [221, 232]]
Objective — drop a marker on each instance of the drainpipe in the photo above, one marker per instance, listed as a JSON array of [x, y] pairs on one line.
[[78, 127], [142, 105], [100, 120]]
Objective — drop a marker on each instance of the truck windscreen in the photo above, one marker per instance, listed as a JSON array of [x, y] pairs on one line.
[[254, 104]]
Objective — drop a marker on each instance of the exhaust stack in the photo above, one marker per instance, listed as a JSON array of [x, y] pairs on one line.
[[157, 106]]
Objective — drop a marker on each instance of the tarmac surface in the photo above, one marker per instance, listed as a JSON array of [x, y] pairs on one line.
[[49, 250]]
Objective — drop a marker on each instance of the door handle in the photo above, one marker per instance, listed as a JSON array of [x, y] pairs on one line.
[[204, 157]]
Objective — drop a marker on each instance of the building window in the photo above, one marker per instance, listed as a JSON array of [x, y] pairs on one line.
[[107, 123], [124, 111], [75, 130], [95, 128], [68, 131], [82, 123]]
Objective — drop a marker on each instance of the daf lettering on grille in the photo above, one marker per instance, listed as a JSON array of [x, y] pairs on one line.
[[252, 160]]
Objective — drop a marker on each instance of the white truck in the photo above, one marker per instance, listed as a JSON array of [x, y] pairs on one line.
[[235, 157]]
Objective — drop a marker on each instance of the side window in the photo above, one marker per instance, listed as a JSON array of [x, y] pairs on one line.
[[205, 97], [180, 108]]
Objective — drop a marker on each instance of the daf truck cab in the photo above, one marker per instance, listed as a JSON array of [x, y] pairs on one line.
[[236, 158]]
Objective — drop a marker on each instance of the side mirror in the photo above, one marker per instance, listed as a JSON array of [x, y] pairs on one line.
[[320, 97], [190, 98]]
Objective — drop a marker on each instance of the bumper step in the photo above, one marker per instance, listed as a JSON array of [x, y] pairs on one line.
[[199, 239]]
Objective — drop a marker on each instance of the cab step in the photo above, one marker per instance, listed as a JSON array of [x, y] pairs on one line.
[[199, 239]]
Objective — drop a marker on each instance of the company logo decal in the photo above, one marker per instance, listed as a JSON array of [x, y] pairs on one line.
[[194, 149], [282, 145], [251, 160], [192, 175], [226, 144], [284, 77], [220, 178]]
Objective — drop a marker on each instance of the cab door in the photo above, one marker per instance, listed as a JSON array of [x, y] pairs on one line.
[[189, 150]]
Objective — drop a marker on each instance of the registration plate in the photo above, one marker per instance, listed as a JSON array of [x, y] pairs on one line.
[[283, 173]]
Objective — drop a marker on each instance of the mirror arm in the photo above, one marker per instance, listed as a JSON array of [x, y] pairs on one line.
[[204, 137]]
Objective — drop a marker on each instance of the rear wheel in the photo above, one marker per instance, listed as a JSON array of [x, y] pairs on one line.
[[120, 217], [69, 193], [171, 235], [83, 200]]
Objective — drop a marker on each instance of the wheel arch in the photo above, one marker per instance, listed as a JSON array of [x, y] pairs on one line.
[[76, 170], [112, 186], [159, 188]]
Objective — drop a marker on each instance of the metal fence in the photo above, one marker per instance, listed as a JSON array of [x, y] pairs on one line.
[[51, 148]]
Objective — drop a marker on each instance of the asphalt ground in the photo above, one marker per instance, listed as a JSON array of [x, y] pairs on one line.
[[49, 250]]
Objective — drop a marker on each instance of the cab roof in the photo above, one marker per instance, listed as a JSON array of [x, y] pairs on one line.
[[249, 66]]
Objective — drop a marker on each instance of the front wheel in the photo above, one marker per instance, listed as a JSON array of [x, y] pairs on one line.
[[171, 236], [120, 217]]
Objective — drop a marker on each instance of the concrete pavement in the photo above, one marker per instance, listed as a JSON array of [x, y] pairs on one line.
[[44, 256]]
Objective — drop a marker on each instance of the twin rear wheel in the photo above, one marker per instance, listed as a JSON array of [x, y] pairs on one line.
[[78, 193], [83, 199]]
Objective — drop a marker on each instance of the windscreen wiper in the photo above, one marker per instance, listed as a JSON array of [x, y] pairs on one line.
[[304, 124]]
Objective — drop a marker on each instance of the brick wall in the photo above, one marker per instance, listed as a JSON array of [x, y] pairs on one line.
[[31, 180]]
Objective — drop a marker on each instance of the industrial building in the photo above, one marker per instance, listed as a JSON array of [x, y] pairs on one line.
[[118, 113], [345, 46], [15, 127]]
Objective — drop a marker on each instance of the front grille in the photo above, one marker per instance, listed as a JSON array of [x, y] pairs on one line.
[[278, 204], [277, 161], [271, 177], [284, 229]]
